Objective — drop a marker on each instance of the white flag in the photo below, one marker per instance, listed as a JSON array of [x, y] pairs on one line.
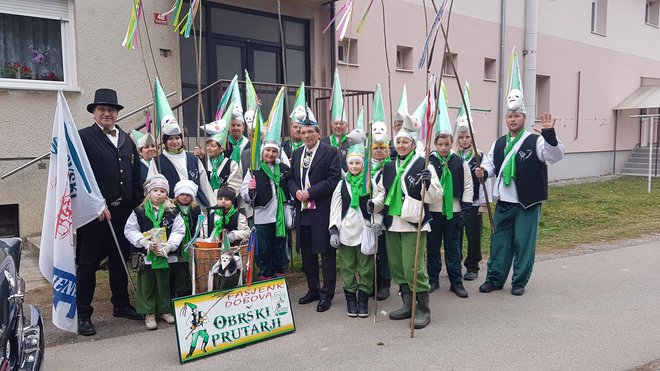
[[73, 199]]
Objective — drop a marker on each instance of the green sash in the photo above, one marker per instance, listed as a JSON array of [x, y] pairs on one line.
[[509, 171], [394, 199], [276, 177], [215, 180], [357, 188], [335, 143], [235, 149], [447, 183], [221, 220], [157, 262], [186, 221]]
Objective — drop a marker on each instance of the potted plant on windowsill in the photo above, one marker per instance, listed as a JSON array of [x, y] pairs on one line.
[[11, 70], [26, 72]]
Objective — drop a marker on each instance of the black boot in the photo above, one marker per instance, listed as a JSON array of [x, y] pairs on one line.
[[351, 304], [422, 310], [190, 352], [86, 327], [204, 346], [363, 304], [383, 291], [406, 310]]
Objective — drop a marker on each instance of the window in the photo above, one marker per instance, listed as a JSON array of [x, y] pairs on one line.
[[542, 94], [490, 69], [652, 12], [404, 58], [9, 221], [599, 17], [447, 69], [347, 52], [37, 45]]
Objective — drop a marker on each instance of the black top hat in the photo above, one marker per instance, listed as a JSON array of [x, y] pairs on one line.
[[104, 97]]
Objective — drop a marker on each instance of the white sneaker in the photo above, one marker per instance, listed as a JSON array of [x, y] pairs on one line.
[[150, 321], [167, 317]]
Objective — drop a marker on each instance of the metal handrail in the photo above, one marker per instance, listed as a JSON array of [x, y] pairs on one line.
[[36, 159]]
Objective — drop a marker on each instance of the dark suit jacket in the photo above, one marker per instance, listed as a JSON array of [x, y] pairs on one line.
[[343, 149], [324, 175], [116, 169]]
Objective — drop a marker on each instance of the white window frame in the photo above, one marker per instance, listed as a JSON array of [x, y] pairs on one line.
[[70, 82]]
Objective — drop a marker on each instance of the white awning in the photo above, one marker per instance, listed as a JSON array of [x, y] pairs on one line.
[[644, 97]]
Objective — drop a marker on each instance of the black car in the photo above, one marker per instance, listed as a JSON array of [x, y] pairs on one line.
[[21, 331]]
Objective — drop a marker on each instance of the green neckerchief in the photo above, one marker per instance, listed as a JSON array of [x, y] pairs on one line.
[[394, 198], [509, 171], [276, 177], [157, 262], [467, 155], [295, 145], [333, 140], [379, 165], [357, 188], [175, 151], [235, 149], [447, 183], [215, 180], [221, 220], [185, 215]]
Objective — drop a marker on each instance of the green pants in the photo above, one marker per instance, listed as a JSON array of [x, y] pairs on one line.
[[180, 277], [514, 241], [352, 262], [153, 291], [197, 334], [401, 256]]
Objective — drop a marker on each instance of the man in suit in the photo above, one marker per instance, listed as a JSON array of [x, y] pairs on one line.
[[315, 172], [116, 165]]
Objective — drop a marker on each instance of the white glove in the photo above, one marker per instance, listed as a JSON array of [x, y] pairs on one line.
[[144, 242], [334, 240], [231, 237]]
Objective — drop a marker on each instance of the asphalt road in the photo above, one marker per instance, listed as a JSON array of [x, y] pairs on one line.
[[582, 310]]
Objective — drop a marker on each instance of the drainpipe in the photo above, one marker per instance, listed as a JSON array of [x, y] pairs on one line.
[[500, 81], [529, 78], [333, 59]]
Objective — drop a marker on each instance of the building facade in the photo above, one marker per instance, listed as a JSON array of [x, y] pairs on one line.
[[581, 60]]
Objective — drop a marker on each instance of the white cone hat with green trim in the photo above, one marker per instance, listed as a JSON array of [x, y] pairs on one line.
[[337, 112], [379, 133], [442, 121], [164, 115], [515, 98], [220, 136], [402, 110], [464, 112], [215, 127], [412, 124], [251, 104], [273, 137], [237, 108], [300, 107], [142, 140]]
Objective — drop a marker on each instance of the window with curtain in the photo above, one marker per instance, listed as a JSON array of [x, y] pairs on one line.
[[30, 48]]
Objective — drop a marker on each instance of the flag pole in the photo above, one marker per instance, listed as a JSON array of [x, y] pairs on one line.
[[121, 255]]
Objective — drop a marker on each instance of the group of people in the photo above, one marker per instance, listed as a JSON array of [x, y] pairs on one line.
[[325, 190]]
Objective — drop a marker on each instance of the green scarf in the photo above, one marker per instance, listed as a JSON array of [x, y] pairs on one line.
[[394, 198], [357, 188], [221, 220], [333, 140], [379, 165], [175, 151], [186, 237], [467, 155], [509, 171], [295, 145], [235, 149], [447, 183], [276, 177], [157, 262], [215, 180]]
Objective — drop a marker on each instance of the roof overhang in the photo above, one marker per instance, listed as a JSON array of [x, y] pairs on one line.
[[646, 96]]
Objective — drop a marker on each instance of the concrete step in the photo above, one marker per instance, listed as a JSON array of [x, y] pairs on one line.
[[637, 173], [641, 156], [638, 165]]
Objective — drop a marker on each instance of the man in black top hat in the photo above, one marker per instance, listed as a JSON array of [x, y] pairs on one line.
[[116, 165]]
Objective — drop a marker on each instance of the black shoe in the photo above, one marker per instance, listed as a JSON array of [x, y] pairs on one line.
[[488, 287], [308, 298], [363, 304], [85, 327], [434, 286], [459, 290], [323, 305], [127, 312], [383, 293], [517, 290], [351, 304], [471, 276]]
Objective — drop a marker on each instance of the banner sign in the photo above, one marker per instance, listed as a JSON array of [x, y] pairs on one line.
[[217, 321]]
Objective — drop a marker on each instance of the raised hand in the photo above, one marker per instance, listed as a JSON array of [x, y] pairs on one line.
[[547, 122]]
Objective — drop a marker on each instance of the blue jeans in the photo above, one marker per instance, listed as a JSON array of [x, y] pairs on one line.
[[448, 231], [271, 254]]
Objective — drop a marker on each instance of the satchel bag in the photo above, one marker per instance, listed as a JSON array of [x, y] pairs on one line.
[[411, 209]]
